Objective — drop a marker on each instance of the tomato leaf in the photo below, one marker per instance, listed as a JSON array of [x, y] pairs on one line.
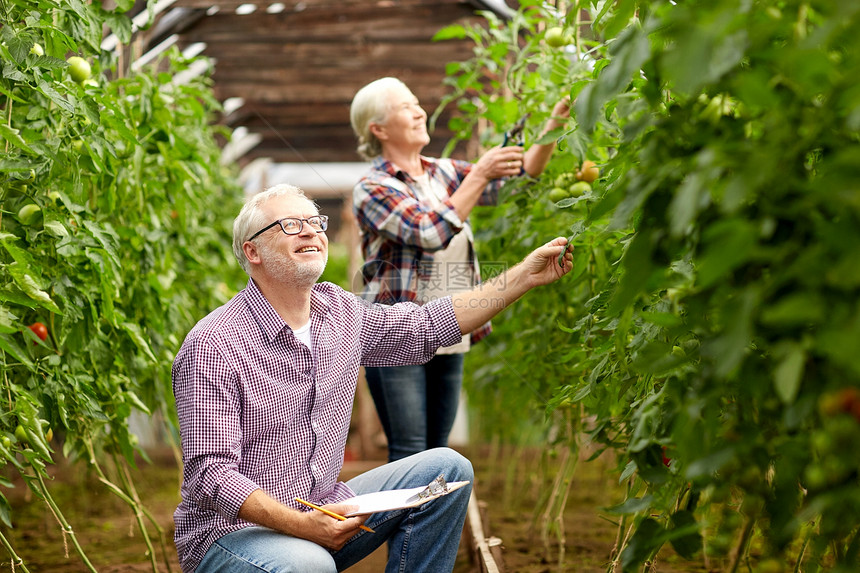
[[789, 371], [643, 543], [684, 535], [452, 32], [5, 511], [632, 505], [19, 255], [55, 96], [13, 136], [31, 288], [7, 344], [140, 341]]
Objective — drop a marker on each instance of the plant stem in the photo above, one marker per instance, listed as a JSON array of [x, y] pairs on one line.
[[131, 498], [67, 529], [16, 560], [9, 119], [6, 382], [738, 549], [800, 554], [622, 537], [140, 511]]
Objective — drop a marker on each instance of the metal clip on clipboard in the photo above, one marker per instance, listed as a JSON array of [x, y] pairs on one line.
[[435, 488]]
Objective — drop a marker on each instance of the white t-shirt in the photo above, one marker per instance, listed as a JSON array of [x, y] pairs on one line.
[[304, 335]]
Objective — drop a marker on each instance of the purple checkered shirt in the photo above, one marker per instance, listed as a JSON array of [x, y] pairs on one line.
[[399, 234], [258, 411]]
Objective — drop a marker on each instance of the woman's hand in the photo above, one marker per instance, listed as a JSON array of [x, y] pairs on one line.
[[500, 162], [561, 111], [538, 155]]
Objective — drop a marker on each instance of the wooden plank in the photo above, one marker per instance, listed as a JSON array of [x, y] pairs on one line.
[[344, 25], [308, 92], [261, 56], [299, 69], [345, 143], [303, 5], [479, 540], [341, 150], [302, 115]]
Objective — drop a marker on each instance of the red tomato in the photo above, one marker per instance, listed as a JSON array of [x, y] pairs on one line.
[[666, 460], [39, 330]]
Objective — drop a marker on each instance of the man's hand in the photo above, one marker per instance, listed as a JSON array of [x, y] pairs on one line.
[[475, 307], [329, 532], [312, 525], [543, 265]]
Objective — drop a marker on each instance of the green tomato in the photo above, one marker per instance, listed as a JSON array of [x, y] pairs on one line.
[[37, 50], [815, 477], [678, 351], [79, 69], [7, 443], [30, 214], [557, 194], [579, 188], [21, 434], [556, 37]]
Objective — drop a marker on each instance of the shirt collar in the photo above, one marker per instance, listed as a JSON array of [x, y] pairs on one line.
[[382, 164], [268, 318]]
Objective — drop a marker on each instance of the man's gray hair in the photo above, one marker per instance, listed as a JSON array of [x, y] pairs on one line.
[[370, 105], [252, 218]]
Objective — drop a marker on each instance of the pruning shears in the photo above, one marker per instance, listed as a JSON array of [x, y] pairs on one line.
[[516, 134]]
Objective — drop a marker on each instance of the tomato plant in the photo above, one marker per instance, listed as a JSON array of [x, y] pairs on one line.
[[712, 305], [114, 238]]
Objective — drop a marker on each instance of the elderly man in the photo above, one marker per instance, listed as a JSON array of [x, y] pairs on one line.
[[264, 388]]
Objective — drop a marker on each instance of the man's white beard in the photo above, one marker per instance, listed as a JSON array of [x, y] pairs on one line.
[[291, 271]]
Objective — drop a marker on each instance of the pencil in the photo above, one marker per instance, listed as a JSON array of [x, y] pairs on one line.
[[331, 513]]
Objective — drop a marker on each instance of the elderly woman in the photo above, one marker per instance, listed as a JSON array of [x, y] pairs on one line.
[[413, 214]]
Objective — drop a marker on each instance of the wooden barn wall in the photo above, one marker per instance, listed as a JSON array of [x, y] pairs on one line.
[[298, 70]]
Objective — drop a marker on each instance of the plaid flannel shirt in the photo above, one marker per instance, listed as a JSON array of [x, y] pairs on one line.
[[399, 234]]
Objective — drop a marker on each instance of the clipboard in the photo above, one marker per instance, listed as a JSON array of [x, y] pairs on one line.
[[392, 499]]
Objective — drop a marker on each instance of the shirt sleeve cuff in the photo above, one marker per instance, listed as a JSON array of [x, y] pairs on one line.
[[240, 488], [450, 215], [441, 312]]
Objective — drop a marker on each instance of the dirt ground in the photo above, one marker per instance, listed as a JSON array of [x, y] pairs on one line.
[[507, 485]]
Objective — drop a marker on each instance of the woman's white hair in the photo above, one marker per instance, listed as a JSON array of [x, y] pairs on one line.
[[370, 105], [252, 218]]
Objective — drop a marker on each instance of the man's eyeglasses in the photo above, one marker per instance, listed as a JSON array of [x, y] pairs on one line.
[[293, 225]]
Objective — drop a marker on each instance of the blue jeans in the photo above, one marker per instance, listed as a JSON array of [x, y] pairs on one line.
[[422, 539], [417, 404]]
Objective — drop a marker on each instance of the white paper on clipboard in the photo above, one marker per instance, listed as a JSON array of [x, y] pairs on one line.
[[394, 499]]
